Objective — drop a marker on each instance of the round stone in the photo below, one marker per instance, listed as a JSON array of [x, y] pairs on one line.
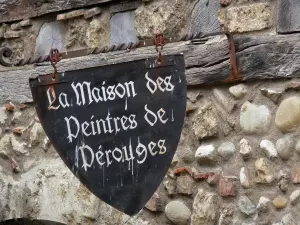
[[254, 119], [226, 150], [177, 212], [295, 197], [285, 147], [280, 202], [287, 117]]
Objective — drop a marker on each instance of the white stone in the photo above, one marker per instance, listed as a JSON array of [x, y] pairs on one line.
[[206, 153], [254, 119], [5, 142], [288, 219], [227, 103], [244, 179], [178, 213], [295, 197], [263, 204], [3, 115], [239, 90], [245, 149], [298, 147], [269, 148], [18, 147], [274, 95]]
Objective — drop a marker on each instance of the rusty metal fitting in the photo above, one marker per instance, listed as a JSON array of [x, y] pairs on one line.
[[54, 57]]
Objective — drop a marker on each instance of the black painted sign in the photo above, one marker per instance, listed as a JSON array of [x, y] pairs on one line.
[[116, 127]]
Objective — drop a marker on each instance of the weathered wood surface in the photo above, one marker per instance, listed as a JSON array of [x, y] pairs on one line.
[[11, 10], [261, 57], [288, 16]]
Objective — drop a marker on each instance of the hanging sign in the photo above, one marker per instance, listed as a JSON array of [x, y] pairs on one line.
[[116, 127]]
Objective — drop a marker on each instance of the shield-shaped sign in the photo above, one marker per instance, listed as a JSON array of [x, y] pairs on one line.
[[116, 127]]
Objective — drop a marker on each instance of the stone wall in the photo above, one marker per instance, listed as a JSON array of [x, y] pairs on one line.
[[238, 157]]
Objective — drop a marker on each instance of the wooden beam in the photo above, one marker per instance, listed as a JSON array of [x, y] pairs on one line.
[[261, 57], [12, 10]]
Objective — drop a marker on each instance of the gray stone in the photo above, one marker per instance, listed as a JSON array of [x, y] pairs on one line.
[[92, 12], [238, 91], [285, 147], [284, 179], [26, 23], [254, 119], [122, 28], [170, 186], [288, 18], [264, 172], [187, 155], [50, 35], [269, 149], [225, 101], [206, 154], [178, 213], [245, 149], [274, 95], [16, 117], [205, 124], [205, 208], [298, 147], [5, 142], [288, 219], [236, 19], [295, 197], [185, 184], [246, 206], [226, 150], [204, 17], [287, 117], [263, 205]]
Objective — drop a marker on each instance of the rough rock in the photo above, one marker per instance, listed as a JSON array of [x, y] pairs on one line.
[[5, 142], [225, 101], [269, 149], [284, 180], [295, 174], [246, 206], [264, 172], [238, 91], [263, 205], [285, 147], [155, 203], [237, 19], [205, 123], [177, 212], [187, 155], [18, 147], [287, 117], [226, 215], [254, 119], [76, 36], [46, 143], [162, 16], [288, 219], [96, 35], [16, 117], [274, 95], [205, 208], [170, 186], [295, 197], [227, 187], [36, 133], [26, 198], [245, 149], [226, 150], [213, 178], [185, 184], [244, 178], [280, 202], [206, 154]]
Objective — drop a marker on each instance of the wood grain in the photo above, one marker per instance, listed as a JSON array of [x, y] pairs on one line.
[[261, 57]]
